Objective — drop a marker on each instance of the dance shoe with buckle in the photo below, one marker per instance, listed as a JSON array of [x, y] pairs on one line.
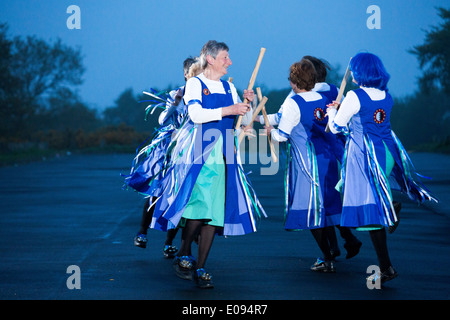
[[140, 240], [184, 267], [323, 266], [169, 251], [203, 279], [387, 275]]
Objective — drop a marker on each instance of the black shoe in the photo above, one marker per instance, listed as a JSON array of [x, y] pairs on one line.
[[140, 240], [387, 275], [397, 208], [352, 248], [169, 251], [323, 266], [203, 279], [184, 267]]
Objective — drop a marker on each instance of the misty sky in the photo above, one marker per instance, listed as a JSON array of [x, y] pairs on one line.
[[140, 44]]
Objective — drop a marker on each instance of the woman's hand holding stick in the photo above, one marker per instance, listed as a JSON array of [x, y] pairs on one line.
[[255, 113], [266, 121], [337, 102]]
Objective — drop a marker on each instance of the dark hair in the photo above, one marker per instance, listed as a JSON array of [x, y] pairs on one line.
[[369, 71], [321, 67], [188, 63], [303, 74]]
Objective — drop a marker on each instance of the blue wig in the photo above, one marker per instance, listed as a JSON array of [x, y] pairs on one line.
[[369, 71]]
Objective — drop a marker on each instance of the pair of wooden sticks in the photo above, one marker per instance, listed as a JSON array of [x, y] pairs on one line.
[[263, 100], [259, 108]]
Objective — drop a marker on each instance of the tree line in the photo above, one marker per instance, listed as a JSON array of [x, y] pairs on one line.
[[421, 119], [40, 107]]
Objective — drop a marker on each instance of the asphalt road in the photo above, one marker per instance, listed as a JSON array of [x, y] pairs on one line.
[[71, 211]]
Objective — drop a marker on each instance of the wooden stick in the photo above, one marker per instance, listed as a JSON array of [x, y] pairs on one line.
[[258, 109], [259, 93], [252, 81], [341, 89], [266, 121]]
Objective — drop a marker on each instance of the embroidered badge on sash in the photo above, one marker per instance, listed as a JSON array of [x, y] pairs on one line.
[[319, 114], [205, 91], [379, 116]]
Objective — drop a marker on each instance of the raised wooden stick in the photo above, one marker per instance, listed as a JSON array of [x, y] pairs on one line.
[[266, 121], [255, 113], [252, 81], [341, 89]]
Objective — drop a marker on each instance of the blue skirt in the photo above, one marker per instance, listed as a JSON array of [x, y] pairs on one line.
[[179, 186], [147, 171], [311, 199], [368, 179]]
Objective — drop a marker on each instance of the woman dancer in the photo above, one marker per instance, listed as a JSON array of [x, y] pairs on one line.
[[146, 172], [312, 170], [207, 191], [373, 154], [330, 91]]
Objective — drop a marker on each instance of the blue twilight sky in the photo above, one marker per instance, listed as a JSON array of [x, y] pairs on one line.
[[140, 44]]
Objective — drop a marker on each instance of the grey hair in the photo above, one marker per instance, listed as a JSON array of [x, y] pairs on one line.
[[211, 48]]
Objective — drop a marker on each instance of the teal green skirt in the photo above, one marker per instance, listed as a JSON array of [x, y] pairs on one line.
[[207, 201]]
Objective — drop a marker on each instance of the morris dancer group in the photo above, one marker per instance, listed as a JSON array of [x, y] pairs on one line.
[[191, 173]]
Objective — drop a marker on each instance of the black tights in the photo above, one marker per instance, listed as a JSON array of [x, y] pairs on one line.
[[378, 238], [147, 216], [190, 231], [379, 241], [321, 236]]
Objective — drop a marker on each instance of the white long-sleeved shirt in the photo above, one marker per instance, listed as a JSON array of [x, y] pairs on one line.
[[275, 118], [199, 114], [349, 107], [289, 115]]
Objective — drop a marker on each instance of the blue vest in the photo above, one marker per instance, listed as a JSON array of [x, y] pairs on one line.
[[331, 94], [226, 125], [312, 114], [314, 121], [375, 115]]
